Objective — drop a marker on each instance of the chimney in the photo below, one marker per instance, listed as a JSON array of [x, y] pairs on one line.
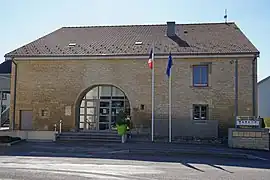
[[171, 29]]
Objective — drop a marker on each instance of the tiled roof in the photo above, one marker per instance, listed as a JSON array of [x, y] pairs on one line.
[[5, 67], [204, 38]]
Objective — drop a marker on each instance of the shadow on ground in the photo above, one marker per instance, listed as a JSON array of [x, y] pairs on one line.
[[121, 152]]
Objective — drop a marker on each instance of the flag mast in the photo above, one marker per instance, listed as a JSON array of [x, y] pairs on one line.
[[169, 74], [153, 90], [170, 104], [170, 108]]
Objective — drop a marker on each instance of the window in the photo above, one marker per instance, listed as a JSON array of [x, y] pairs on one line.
[[200, 75], [3, 107], [44, 113], [200, 112], [4, 96]]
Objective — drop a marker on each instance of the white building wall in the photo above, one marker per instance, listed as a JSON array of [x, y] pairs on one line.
[[264, 98]]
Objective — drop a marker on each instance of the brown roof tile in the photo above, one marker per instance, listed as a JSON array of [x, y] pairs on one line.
[[204, 38]]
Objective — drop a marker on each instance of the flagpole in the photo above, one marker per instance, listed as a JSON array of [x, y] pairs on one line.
[[170, 107], [153, 91]]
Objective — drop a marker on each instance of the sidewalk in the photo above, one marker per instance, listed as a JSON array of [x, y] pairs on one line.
[[192, 149], [92, 149], [173, 149]]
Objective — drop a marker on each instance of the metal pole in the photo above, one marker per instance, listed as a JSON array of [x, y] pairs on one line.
[[1, 104], [236, 89], [153, 92], [254, 85], [170, 108], [14, 95], [60, 127]]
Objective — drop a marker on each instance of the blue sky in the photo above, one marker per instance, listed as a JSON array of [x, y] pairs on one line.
[[24, 21]]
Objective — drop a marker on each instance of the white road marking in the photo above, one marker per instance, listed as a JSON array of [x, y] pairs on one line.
[[257, 157], [119, 151]]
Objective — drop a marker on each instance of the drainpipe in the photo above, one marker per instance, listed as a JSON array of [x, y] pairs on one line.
[[1, 103], [14, 97], [236, 89], [254, 85]]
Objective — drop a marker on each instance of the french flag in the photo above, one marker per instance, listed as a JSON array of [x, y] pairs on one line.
[[150, 60]]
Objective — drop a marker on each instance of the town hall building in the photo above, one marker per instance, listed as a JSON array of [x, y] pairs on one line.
[[84, 76]]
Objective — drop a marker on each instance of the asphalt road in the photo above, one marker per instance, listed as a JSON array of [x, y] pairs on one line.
[[46, 161], [123, 167]]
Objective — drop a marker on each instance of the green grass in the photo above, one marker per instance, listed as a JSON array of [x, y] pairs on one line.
[[267, 122]]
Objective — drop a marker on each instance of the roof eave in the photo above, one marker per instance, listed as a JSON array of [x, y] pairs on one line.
[[256, 54]]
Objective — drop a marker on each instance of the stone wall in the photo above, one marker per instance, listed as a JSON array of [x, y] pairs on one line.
[[249, 138], [54, 85]]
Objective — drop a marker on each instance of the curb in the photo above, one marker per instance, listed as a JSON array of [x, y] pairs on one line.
[[179, 153], [11, 143]]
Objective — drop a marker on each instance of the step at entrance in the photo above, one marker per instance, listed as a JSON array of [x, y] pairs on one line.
[[89, 136]]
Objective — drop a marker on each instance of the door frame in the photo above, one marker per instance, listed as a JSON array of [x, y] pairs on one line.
[[109, 115], [85, 115]]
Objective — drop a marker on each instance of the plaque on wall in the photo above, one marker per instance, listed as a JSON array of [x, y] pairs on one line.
[[68, 111]]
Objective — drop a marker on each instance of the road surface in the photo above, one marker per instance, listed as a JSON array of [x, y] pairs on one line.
[[127, 167]]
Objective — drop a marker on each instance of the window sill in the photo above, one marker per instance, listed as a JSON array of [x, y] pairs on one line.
[[199, 121], [200, 87]]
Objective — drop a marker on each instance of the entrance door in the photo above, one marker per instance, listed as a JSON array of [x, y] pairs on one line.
[[116, 107], [100, 106], [26, 120], [88, 116], [104, 115]]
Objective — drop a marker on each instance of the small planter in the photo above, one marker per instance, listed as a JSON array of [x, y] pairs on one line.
[[122, 124], [122, 129]]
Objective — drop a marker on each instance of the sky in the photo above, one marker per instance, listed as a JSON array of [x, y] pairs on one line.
[[24, 21]]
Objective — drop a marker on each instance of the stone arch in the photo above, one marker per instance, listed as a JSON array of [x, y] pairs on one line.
[[97, 106]]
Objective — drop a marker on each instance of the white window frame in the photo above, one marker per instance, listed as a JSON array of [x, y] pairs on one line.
[[200, 111]]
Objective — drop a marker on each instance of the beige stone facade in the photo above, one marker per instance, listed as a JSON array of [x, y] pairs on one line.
[[53, 86]]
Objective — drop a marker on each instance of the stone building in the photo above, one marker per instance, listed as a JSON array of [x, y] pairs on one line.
[[263, 98], [5, 71], [85, 75]]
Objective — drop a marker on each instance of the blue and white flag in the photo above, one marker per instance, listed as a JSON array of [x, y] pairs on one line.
[[169, 65]]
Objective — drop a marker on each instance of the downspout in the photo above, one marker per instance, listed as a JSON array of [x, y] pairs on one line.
[[236, 89], [1, 104], [254, 85], [14, 97]]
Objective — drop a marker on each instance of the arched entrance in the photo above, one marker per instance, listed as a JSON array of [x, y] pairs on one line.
[[100, 106]]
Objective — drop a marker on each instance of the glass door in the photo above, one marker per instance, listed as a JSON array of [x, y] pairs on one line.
[[88, 117], [117, 106], [104, 114]]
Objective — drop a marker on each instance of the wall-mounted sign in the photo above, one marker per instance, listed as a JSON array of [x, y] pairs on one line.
[[68, 111], [247, 122]]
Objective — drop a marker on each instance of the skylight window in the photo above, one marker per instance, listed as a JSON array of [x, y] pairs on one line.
[[72, 44], [138, 43]]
